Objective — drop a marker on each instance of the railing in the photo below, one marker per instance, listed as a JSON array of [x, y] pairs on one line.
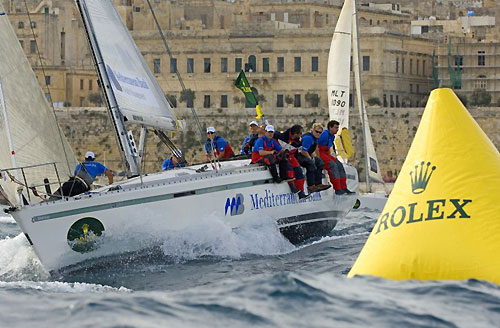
[[19, 175]]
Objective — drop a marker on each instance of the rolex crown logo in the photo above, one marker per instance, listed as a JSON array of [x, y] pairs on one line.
[[419, 178]]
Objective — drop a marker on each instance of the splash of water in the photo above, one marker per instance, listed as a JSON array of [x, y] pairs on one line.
[[18, 261]]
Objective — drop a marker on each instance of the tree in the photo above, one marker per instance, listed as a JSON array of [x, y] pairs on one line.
[[480, 97], [374, 101], [312, 99], [463, 98], [188, 97], [289, 99], [95, 98]]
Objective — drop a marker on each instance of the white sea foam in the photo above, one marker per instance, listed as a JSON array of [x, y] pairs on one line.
[[7, 219], [61, 287], [213, 237], [18, 260]]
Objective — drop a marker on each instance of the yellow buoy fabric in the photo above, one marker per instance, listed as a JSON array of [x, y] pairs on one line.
[[442, 219], [344, 144]]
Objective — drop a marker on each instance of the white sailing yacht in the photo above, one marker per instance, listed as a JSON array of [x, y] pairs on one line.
[[338, 77], [67, 233]]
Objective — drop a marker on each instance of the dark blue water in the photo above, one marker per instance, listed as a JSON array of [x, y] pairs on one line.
[[214, 277]]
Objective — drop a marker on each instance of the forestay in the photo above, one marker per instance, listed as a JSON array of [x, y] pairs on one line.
[[371, 157], [338, 67], [36, 137], [140, 99]]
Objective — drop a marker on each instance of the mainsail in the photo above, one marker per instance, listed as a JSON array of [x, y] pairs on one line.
[[31, 126], [338, 67], [138, 95], [371, 157]]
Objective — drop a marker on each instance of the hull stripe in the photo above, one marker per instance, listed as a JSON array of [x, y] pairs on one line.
[[146, 200], [309, 218]]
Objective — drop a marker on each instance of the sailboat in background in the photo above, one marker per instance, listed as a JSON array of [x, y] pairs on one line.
[[131, 215], [338, 77], [29, 133]]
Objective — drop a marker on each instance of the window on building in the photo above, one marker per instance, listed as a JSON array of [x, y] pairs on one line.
[[252, 64], [423, 67], [81, 84], [223, 65], [90, 85], [82, 101], [351, 99], [47, 96], [296, 100], [279, 101], [190, 65], [189, 102], [385, 100], [173, 101], [392, 101], [32, 46], [173, 65], [223, 101], [206, 101], [481, 82], [402, 65], [350, 65], [237, 64], [33, 24], [366, 63], [21, 42], [297, 64], [156, 65], [397, 101], [314, 64], [281, 64], [425, 29], [206, 65], [418, 66], [47, 79], [265, 64], [411, 66], [137, 9], [397, 64], [411, 88], [418, 88], [481, 58], [20, 25]]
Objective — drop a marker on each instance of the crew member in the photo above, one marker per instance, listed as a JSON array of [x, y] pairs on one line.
[[216, 146], [307, 157], [268, 151], [290, 139], [248, 143], [333, 166], [173, 161], [85, 174]]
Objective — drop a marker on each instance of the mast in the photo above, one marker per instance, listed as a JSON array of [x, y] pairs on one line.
[[359, 94], [116, 116]]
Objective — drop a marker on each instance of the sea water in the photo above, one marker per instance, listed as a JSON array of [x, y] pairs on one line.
[[212, 276]]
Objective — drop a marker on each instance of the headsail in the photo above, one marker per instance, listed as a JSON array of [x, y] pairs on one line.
[[371, 157], [338, 67], [36, 137], [139, 97]]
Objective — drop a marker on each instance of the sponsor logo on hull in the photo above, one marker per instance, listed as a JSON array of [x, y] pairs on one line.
[[83, 235]]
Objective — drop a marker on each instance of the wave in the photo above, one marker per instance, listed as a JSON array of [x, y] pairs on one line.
[[60, 287]]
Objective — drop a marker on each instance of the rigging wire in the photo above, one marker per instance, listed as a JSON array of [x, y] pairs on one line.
[[47, 86], [179, 77]]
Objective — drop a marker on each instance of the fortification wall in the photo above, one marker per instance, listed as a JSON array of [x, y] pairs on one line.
[[392, 131]]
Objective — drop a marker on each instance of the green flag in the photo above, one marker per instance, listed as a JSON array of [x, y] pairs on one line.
[[242, 84]]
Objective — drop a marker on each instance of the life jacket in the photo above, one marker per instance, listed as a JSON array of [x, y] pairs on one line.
[[250, 143], [286, 137], [313, 146], [83, 175], [325, 148], [256, 156], [212, 143]]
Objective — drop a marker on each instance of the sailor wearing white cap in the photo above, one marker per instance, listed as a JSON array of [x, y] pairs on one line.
[[248, 143], [173, 161], [85, 174], [217, 145]]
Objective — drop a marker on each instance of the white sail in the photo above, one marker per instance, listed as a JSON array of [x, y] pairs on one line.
[[140, 99], [338, 67], [29, 124], [371, 157]]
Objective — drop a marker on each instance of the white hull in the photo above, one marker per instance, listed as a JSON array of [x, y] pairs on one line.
[[170, 201], [372, 201]]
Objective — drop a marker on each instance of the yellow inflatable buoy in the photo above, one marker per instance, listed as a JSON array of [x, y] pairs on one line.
[[442, 219]]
